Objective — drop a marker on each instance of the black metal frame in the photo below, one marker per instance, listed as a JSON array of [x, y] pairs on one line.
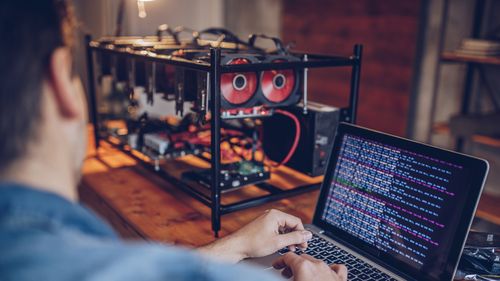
[[215, 69]]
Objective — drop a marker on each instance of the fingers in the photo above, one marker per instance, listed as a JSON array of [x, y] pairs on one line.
[[287, 260], [287, 273], [281, 263], [287, 221], [291, 260], [305, 267], [341, 271], [299, 237], [287, 224], [310, 258]]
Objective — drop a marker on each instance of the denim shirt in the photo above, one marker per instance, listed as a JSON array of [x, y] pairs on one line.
[[45, 237]]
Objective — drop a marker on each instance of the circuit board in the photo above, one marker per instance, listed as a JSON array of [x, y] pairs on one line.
[[233, 175]]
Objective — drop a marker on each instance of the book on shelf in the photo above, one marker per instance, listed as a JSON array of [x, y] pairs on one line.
[[479, 47]]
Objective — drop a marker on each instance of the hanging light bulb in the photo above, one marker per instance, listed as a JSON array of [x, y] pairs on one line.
[[141, 7]]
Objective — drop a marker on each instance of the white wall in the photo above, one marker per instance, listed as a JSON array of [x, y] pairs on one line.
[[98, 17], [197, 14], [245, 17]]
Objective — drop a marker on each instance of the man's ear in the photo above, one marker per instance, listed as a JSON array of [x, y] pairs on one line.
[[61, 82]]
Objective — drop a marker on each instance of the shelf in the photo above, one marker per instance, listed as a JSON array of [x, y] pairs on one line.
[[451, 56], [442, 128]]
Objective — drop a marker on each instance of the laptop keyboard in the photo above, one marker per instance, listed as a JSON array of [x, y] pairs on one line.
[[321, 249]]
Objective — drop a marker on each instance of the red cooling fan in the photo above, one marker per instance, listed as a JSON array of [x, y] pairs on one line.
[[238, 88], [277, 85]]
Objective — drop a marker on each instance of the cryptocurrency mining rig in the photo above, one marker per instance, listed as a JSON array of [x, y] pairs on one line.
[[220, 100]]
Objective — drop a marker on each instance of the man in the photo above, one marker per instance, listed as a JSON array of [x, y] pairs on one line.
[[44, 234]]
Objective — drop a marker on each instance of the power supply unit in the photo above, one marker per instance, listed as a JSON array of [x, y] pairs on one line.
[[317, 130]]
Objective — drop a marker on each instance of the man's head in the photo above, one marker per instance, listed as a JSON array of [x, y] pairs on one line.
[[42, 113]]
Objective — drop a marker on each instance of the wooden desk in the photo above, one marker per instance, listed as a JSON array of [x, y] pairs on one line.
[[139, 204]]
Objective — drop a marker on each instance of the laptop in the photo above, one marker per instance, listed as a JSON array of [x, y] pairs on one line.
[[391, 208]]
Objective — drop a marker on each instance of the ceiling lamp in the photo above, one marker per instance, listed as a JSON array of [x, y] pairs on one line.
[[142, 8]]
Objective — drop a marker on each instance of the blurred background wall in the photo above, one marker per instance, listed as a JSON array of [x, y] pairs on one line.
[[387, 29], [402, 42], [321, 26]]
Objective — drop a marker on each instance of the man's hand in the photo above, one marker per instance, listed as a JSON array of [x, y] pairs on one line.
[[265, 235], [305, 267]]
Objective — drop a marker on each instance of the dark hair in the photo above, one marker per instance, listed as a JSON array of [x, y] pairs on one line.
[[30, 30]]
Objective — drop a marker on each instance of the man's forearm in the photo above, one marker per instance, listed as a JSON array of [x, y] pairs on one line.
[[263, 236], [227, 249]]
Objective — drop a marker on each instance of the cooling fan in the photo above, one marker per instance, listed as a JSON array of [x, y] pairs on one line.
[[280, 87], [238, 89], [277, 85]]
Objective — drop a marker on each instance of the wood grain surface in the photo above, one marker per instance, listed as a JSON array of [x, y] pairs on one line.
[[140, 204]]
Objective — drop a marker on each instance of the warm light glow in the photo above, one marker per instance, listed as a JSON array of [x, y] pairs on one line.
[[142, 8]]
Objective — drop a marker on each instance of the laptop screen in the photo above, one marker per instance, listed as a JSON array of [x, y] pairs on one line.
[[406, 204]]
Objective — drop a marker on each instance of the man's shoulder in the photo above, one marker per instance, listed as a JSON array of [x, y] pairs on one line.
[[24, 208]]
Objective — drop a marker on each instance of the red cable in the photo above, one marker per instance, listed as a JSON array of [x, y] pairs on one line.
[[295, 140]]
